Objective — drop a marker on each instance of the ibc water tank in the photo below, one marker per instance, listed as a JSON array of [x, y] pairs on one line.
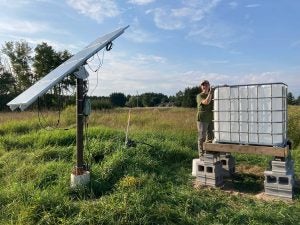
[[251, 114]]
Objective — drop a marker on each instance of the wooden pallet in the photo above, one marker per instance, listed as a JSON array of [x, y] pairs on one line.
[[247, 149]]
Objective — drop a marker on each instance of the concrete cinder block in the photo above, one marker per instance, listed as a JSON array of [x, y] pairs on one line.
[[286, 182], [283, 166], [210, 181], [270, 180], [208, 157], [201, 179], [271, 191], [215, 182], [285, 193], [278, 183], [282, 193], [196, 162], [208, 172], [279, 180], [214, 170], [201, 167]]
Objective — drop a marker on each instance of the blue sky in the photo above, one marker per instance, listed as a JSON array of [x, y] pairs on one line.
[[170, 44]]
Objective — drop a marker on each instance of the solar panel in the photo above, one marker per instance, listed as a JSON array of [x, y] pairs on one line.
[[26, 98]]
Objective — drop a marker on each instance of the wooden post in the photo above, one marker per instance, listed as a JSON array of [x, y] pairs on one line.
[[79, 169]]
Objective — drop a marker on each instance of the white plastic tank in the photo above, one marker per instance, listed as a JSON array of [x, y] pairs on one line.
[[251, 114]]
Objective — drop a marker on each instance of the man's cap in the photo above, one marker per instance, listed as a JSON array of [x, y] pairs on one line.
[[205, 82]]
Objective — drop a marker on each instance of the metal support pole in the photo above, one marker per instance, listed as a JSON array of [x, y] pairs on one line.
[[79, 169]]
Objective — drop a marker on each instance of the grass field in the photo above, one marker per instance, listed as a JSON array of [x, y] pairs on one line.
[[149, 183]]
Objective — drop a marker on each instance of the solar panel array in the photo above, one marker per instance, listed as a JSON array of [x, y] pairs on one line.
[[26, 98]]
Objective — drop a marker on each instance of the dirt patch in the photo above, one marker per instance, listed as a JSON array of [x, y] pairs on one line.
[[250, 169]]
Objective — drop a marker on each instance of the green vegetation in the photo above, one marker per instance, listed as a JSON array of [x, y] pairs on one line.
[[148, 183]]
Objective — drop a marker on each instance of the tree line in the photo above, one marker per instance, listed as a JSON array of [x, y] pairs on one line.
[[21, 66]]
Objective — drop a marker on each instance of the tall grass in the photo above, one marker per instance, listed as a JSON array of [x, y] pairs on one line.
[[148, 183], [294, 125]]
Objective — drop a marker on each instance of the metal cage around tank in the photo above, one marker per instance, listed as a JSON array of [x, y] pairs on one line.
[[251, 114]]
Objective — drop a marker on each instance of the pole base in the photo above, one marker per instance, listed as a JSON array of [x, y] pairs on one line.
[[82, 180]]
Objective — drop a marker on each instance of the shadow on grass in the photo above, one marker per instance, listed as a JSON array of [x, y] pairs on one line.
[[245, 183]]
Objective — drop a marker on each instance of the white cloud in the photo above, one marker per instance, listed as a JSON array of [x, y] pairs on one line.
[[147, 59], [58, 45], [95, 9], [264, 77], [178, 18], [167, 20], [215, 33], [233, 5], [252, 5], [138, 34], [200, 23], [22, 26], [140, 2], [188, 78], [129, 74], [203, 9], [240, 79], [182, 12], [16, 30]]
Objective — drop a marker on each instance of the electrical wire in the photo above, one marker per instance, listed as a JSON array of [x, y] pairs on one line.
[[59, 105], [99, 66], [41, 116], [130, 142], [100, 62]]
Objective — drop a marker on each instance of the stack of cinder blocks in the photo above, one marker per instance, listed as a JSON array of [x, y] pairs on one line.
[[280, 180], [208, 170]]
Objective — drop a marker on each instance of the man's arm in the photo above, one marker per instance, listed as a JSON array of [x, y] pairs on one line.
[[208, 98]]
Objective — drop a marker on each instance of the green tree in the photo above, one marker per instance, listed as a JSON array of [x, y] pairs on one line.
[[153, 99], [117, 99], [61, 57], [101, 102], [7, 86], [298, 100], [133, 101], [7, 81], [47, 59], [178, 98], [291, 99], [189, 97], [44, 60], [20, 60]]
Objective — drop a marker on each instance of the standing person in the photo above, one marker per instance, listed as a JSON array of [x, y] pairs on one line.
[[204, 115]]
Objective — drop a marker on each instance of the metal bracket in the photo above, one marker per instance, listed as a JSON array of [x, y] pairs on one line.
[[82, 73]]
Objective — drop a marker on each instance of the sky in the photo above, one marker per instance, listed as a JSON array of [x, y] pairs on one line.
[[170, 44]]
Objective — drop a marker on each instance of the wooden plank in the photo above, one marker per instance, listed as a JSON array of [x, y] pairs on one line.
[[247, 149]]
